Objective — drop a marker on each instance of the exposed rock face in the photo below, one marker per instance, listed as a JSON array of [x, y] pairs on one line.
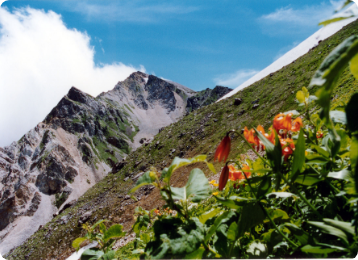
[[78, 143], [206, 97]]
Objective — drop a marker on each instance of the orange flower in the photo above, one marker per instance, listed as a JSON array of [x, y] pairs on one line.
[[271, 136], [234, 174], [319, 134], [261, 129], [287, 147], [223, 150], [246, 167], [282, 121], [296, 124], [250, 136], [223, 177]]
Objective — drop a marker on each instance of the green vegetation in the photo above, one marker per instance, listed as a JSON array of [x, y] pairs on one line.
[[200, 132], [60, 199]]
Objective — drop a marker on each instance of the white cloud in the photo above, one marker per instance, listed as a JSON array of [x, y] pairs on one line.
[[295, 21], [40, 59], [235, 79], [128, 10]]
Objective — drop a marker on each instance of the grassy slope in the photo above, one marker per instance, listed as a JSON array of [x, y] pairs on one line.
[[200, 133]]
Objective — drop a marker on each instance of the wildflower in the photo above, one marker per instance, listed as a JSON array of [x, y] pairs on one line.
[[287, 147], [223, 150], [213, 182], [319, 134], [157, 211], [271, 136], [282, 121], [215, 193], [235, 174], [223, 177], [296, 124], [246, 167]]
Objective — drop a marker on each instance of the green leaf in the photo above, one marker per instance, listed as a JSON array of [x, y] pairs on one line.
[[316, 159], [198, 254], [197, 188], [264, 187], [341, 175], [209, 214], [338, 117], [91, 254], [321, 151], [299, 233], [143, 180], [333, 20], [98, 223], [308, 179], [235, 202], [298, 156], [305, 92], [345, 226], [329, 72], [252, 215], [274, 152], [77, 242], [317, 250], [354, 160], [102, 228], [109, 255], [277, 214], [218, 221], [179, 162], [232, 231], [330, 230], [353, 65], [115, 231]]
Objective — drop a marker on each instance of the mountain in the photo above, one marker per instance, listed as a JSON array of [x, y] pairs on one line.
[[76, 145], [199, 132]]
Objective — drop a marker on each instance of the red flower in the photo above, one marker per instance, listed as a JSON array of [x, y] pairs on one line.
[[271, 136], [319, 134], [223, 177], [223, 150], [287, 147]]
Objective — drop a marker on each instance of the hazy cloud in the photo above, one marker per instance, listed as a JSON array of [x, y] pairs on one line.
[[40, 59], [129, 10], [235, 79]]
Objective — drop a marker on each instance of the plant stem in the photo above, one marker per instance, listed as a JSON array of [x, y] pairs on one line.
[[307, 202]]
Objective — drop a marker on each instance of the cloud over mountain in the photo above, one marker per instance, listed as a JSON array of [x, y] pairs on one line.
[[40, 59]]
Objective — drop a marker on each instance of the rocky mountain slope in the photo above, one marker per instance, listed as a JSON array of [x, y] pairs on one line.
[[76, 145], [197, 133]]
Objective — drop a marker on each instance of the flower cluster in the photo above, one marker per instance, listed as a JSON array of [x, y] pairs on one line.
[[166, 211], [236, 175]]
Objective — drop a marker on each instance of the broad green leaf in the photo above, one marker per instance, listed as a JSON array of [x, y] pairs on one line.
[[277, 214], [321, 151], [354, 160], [209, 214], [341, 175], [252, 215], [267, 235], [298, 156], [179, 162], [143, 180], [77, 242], [317, 250], [232, 231], [338, 117], [235, 202], [308, 179], [145, 238], [197, 188], [316, 159], [333, 20], [198, 254], [329, 230], [345, 226], [98, 223], [91, 254], [329, 72], [344, 139], [109, 255], [102, 228], [299, 233], [218, 221], [115, 231], [264, 187], [300, 96], [281, 195], [274, 152], [353, 65]]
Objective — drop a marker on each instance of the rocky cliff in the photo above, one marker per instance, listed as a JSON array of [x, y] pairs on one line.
[[76, 145], [206, 97]]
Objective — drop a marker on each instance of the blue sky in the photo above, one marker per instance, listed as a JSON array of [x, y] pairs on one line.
[[47, 46]]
